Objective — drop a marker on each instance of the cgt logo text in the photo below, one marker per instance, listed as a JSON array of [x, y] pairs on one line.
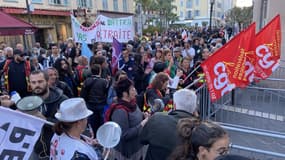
[[221, 81], [263, 52]]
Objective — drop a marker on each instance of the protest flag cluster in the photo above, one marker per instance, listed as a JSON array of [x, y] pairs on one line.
[[246, 58]]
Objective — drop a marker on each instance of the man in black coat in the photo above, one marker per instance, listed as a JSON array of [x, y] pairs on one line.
[[15, 72], [94, 92], [160, 131]]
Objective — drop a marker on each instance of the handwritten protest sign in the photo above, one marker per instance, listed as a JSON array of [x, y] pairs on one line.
[[104, 29]]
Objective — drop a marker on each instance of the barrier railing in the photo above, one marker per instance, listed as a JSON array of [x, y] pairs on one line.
[[252, 101], [279, 73], [255, 131]]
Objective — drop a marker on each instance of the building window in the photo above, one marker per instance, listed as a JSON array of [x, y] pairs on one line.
[[125, 6], [84, 3], [37, 1], [264, 5], [189, 14], [219, 14], [219, 5], [189, 4], [105, 4], [181, 14], [181, 3], [197, 2], [59, 2], [11, 0], [197, 13], [115, 5]]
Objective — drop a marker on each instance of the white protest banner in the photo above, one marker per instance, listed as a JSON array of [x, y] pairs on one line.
[[84, 34], [104, 29], [18, 134], [119, 28]]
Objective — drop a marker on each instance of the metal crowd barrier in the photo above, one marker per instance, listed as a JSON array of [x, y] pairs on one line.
[[279, 73], [252, 102], [255, 132]]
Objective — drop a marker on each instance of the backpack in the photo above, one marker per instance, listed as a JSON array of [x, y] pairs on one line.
[[112, 108], [79, 77]]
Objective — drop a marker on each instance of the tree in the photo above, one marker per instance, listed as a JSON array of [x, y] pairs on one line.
[[162, 10], [146, 4], [243, 16]]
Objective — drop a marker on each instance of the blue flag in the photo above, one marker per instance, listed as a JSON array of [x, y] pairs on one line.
[[85, 50]]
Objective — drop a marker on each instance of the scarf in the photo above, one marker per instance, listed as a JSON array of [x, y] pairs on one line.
[[131, 105]]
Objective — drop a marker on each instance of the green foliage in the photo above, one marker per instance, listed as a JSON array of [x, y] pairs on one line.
[[162, 9], [151, 29], [240, 15], [146, 4]]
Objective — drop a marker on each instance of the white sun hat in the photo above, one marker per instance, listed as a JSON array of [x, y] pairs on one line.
[[72, 110]]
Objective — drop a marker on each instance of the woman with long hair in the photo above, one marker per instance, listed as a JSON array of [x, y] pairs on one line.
[[158, 57], [66, 74], [158, 89], [200, 140]]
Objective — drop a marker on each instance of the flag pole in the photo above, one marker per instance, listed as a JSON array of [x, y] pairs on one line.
[[193, 71]]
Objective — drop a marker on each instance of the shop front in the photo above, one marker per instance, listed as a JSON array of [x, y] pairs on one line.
[[14, 30], [52, 26]]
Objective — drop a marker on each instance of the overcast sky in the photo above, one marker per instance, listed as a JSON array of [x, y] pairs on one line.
[[244, 3]]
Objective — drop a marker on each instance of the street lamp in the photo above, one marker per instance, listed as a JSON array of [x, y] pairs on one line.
[[28, 5], [211, 13]]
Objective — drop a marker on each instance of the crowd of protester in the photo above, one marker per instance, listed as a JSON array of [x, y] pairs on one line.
[[151, 67]]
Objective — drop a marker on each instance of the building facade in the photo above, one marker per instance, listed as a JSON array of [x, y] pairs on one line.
[[198, 11], [264, 11], [52, 17]]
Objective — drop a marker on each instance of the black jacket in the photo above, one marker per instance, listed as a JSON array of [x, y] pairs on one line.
[[95, 91], [151, 95], [65, 88], [17, 77], [52, 102], [161, 135]]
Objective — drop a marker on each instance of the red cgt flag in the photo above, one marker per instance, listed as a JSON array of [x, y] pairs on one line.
[[268, 49], [226, 69]]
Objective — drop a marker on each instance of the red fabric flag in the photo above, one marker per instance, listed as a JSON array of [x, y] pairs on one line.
[[225, 69], [268, 49], [249, 59]]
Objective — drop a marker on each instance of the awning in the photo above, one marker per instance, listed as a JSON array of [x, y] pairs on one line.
[[10, 25], [43, 26], [45, 12]]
